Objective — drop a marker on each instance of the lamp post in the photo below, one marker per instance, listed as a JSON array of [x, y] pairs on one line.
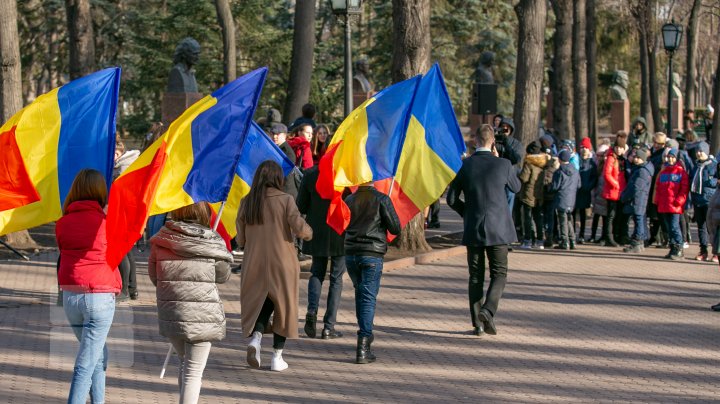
[[346, 10], [671, 35]]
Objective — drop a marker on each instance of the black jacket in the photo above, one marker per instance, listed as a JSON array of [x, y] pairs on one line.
[[636, 193], [565, 184], [588, 181], [325, 242], [510, 149], [482, 181], [372, 215]]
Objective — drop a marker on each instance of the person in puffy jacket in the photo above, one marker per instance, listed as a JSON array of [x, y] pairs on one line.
[[531, 195], [89, 285], [703, 183], [671, 191], [615, 181], [187, 261], [565, 184], [635, 198]]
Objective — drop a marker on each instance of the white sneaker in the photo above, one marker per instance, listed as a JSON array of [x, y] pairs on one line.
[[278, 364], [253, 351], [686, 246], [539, 245], [526, 245]]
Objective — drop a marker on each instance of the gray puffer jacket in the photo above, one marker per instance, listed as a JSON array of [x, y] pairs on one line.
[[186, 263]]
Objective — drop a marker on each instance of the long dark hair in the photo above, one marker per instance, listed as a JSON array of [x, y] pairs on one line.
[[268, 175], [88, 185]]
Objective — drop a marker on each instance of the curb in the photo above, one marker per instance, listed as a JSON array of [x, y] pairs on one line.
[[424, 259]]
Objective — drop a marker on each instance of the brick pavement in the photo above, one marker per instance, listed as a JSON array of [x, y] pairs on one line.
[[589, 326]]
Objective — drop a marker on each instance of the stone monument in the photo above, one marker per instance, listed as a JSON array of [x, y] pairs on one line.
[[483, 75], [677, 104], [362, 86], [619, 103], [182, 89]]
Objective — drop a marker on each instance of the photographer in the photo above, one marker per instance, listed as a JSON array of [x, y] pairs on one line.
[[507, 146]]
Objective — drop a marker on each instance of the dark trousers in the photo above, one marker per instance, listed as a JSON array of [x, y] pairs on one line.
[[565, 224], [595, 223], [532, 222], [434, 217], [658, 231], [549, 221], [318, 271], [582, 215], [701, 219], [128, 274], [498, 261], [617, 222], [263, 320]]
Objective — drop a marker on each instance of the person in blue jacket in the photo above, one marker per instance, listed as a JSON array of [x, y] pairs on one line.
[[565, 184], [635, 198], [703, 183]]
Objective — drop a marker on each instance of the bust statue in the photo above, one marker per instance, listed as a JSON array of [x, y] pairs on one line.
[[676, 92], [361, 83], [618, 88], [484, 73], [182, 75]]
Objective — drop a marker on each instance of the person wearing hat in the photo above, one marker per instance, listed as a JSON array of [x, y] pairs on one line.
[[569, 145], [671, 190], [565, 184], [531, 195], [639, 134], [615, 181], [702, 189], [635, 198], [588, 180]]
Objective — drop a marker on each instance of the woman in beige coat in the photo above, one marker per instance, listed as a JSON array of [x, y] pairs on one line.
[[267, 223]]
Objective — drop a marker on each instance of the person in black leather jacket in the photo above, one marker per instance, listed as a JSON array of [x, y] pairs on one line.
[[372, 216]]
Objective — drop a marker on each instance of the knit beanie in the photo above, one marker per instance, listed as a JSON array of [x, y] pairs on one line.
[[564, 155]]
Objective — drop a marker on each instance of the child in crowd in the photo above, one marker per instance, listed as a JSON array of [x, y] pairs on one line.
[[671, 190], [565, 184], [588, 180], [531, 195], [635, 197], [702, 189], [614, 176]]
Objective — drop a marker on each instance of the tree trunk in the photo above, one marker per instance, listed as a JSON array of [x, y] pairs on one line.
[[692, 44], [591, 49], [715, 136], [645, 82], [225, 19], [411, 56], [579, 71], [80, 39], [532, 16], [562, 88], [11, 88], [301, 65], [653, 88]]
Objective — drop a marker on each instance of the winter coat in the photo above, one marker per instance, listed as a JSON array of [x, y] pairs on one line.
[[531, 192], [614, 176], [588, 180], [575, 161], [82, 241], [703, 182], [270, 264], [565, 184], [635, 195], [511, 149], [325, 242], [643, 137], [124, 161], [186, 263], [684, 158], [671, 189], [290, 186], [303, 152]]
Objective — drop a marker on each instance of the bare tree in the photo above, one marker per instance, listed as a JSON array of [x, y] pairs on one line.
[[715, 136], [80, 41], [641, 10], [225, 19], [532, 15], [692, 44], [411, 56], [301, 65], [562, 79], [591, 49], [579, 69]]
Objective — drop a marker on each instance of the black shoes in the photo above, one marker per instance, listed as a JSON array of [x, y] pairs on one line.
[[561, 247], [364, 353], [488, 322], [715, 308], [634, 247], [676, 252], [133, 295], [237, 269], [328, 333], [310, 320], [479, 330]]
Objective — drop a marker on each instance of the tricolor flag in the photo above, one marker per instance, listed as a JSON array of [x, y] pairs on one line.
[[60, 133], [365, 147], [193, 161], [258, 147], [16, 187]]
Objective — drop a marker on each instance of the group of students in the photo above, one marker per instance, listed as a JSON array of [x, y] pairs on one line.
[[652, 181], [188, 260]]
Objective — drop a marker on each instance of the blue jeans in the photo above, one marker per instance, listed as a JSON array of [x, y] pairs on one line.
[[365, 273], [90, 315], [672, 224], [640, 233], [318, 271]]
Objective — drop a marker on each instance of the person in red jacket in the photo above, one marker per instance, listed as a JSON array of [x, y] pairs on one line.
[[300, 143], [614, 176], [671, 191], [89, 285]]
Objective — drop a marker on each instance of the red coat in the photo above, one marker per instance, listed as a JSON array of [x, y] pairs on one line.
[[303, 152], [81, 237], [671, 189], [614, 177]]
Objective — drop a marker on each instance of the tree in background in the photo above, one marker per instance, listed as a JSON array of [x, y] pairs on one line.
[[561, 77], [532, 16], [715, 136], [592, 78], [579, 70], [691, 36], [81, 38], [225, 19], [301, 65]]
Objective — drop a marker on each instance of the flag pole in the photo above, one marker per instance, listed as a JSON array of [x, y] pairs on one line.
[[217, 219], [167, 359], [392, 185]]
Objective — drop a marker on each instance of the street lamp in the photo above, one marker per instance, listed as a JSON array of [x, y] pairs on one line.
[[671, 34], [347, 9]]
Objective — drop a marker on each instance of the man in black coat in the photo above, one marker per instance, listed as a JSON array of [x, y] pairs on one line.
[[488, 225], [326, 245]]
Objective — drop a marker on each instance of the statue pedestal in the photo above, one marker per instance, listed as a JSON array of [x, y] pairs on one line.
[[677, 115], [359, 98], [619, 116], [174, 104]]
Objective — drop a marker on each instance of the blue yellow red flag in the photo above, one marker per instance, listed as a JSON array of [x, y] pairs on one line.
[[60, 133], [193, 161]]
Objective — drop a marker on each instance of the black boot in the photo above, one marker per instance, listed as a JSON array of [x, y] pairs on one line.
[[310, 320], [364, 353]]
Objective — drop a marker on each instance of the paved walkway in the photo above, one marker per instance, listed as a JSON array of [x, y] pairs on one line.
[[589, 326]]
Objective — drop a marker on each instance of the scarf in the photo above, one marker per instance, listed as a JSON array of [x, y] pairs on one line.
[[696, 187]]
